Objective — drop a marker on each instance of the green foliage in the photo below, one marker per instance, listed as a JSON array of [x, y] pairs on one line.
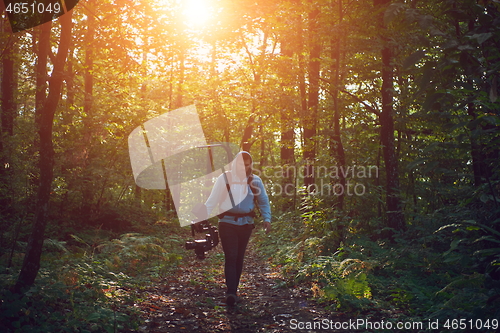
[[334, 277], [251, 73], [135, 253], [342, 281], [90, 284], [474, 293], [419, 276], [73, 299]]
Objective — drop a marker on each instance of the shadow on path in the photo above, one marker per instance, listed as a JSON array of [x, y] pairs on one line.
[[193, 300]]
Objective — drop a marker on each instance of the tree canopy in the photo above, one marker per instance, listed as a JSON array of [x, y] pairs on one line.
[[374, 120]]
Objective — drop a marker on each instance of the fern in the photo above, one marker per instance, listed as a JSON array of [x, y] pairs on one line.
[[136, 253], [52, 244], [342, 281]]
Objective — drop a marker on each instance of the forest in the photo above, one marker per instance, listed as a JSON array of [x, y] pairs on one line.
[[374, 125]]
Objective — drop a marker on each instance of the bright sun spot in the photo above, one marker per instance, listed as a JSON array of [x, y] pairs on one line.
[[196, 12]]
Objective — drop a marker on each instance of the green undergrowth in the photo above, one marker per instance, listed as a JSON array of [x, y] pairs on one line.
[[90, 282], [444, 267]]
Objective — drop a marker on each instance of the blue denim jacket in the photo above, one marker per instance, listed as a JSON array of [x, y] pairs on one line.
[[243, 198]]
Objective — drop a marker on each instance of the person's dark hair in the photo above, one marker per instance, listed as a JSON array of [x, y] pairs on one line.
[[246, 157]]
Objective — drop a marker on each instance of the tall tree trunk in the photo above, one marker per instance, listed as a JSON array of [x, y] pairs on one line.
[[336, 44], [9, 84], [262, 162], [302, 69], [182, 68], [287, 142], [88, 110], [31, 263], [484, 155], [258, 65], [395, 217], [43, 49], [287, 156], [246, 143], [310, 118], [70, 85], [7, 116], [215, 83]]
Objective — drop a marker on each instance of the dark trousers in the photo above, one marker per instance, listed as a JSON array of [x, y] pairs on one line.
[[234, 239]]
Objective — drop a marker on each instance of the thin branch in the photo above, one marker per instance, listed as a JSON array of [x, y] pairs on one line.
[[359, 100], [370, 108]]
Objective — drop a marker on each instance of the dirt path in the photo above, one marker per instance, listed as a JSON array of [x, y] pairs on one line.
[[193, 300]]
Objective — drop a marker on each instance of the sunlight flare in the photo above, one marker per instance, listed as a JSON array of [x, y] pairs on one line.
[[197, 13]]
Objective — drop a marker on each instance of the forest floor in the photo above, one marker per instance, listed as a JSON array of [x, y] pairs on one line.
[[192, 299]]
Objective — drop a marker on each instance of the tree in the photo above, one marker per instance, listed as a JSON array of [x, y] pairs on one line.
[[88, 110], [395, 217], [337, 147], [309, 118], [7, 116], [31, 263], [287, 121]]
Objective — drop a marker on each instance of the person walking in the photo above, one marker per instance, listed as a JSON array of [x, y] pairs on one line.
[[237, 193]]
